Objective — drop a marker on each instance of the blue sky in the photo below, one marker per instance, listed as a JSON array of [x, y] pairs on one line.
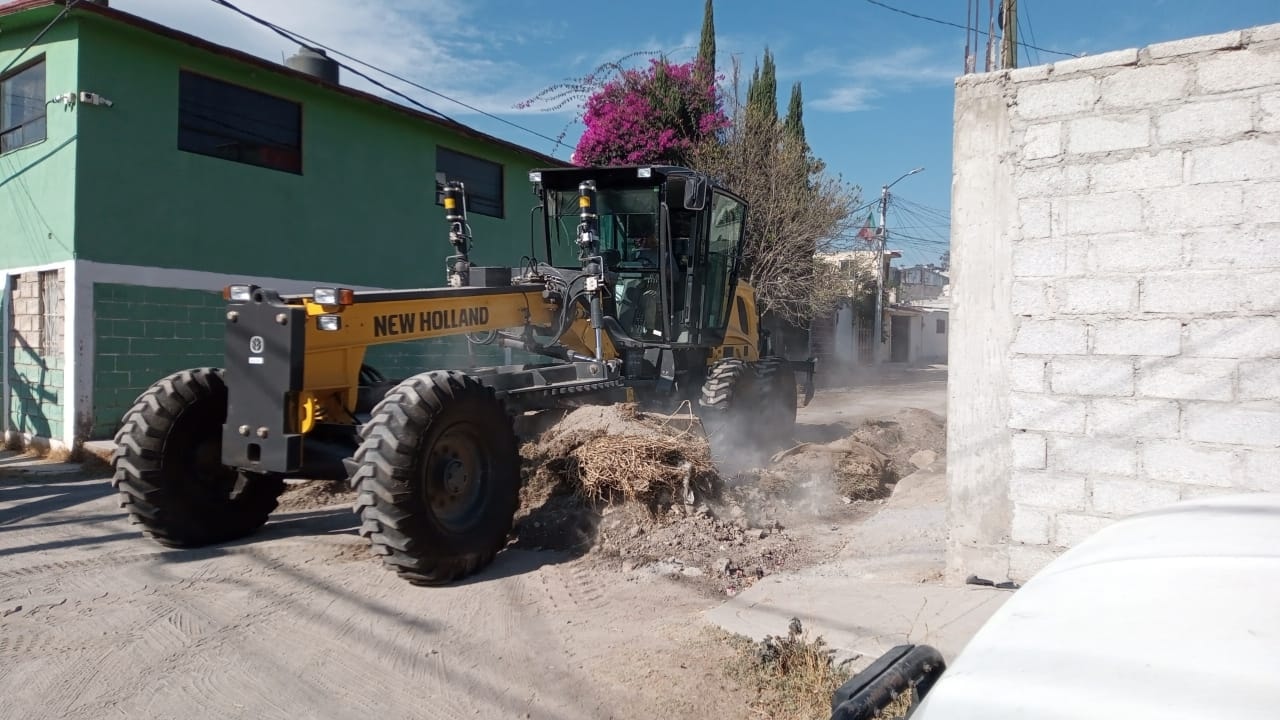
[[878, 85]]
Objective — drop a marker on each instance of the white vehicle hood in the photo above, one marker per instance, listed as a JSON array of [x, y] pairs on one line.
[[1173, 613]]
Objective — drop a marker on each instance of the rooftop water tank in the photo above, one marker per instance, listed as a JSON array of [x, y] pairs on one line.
[[314, 62]]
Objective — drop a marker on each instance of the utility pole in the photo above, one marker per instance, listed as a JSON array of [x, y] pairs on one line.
[[878, 336], [1009, 49]]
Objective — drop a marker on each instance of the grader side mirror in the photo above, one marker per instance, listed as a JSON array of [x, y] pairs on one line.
[[686, 193]]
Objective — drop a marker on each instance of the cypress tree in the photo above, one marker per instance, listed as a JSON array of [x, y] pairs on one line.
[[795, 114], [707, 48]]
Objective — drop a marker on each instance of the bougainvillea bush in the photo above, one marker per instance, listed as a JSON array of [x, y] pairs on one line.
[[656, 115]]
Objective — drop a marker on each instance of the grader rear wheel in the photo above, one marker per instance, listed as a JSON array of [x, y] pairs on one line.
[[438, 477], [169, 471]]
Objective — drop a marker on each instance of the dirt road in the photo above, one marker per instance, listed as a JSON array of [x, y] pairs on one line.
[[299, 621]]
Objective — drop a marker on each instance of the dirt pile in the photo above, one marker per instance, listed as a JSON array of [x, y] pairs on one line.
[[315, 494], [911, 438]]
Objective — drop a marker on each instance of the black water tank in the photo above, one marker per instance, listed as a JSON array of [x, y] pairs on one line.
[[314, 61]]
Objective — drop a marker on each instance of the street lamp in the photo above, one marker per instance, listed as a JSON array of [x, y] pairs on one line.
[[884, 233]]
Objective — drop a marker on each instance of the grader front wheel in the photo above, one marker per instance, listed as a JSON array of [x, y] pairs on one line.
[[438, 477], [169, 471]]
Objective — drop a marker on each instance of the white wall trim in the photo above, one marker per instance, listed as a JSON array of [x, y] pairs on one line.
[[97, 272], [70, 329], [81, 353], [6, 309], [61, 264]]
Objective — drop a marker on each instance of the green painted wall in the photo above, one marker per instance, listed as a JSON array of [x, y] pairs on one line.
[[142, 334], [363, 212], [37, 182]]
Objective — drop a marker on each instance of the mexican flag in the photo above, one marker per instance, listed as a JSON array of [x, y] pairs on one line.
[[869, 230]]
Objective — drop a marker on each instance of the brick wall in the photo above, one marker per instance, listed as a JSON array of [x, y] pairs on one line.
[[36, 354], [1142, 226]]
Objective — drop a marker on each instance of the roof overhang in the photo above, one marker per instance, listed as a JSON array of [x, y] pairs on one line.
[[149, 26]]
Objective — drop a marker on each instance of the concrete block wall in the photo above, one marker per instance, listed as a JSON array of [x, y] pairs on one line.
[[35, 353], [1130, 209]]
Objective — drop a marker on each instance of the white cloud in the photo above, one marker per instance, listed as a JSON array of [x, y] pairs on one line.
[[396, 35], [907, 65], [846, 99]]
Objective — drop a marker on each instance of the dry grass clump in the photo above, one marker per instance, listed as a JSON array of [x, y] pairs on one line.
[[651, 469], [794, 678]]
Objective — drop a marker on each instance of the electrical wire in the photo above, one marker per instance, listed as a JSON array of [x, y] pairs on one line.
[[66, 9], [962, 27], [303, 40]]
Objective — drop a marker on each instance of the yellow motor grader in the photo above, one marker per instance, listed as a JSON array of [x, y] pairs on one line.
[[638, 299]]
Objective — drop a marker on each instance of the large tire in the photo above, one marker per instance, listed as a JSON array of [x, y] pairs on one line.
[[168, 467], [779, 399], [727, 403], [438, 477]]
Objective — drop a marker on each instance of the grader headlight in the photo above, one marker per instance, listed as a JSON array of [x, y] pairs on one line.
[[333, 296]]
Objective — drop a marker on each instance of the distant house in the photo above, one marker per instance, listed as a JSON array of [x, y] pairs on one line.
[[142, 169], [922, 282]]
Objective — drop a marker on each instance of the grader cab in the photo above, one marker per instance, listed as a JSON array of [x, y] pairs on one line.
[[637, 299]]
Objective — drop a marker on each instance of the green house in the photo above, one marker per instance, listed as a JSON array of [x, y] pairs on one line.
[[143, 169]]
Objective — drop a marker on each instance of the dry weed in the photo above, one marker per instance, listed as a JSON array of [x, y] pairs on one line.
[[793, 677], [647, 469]]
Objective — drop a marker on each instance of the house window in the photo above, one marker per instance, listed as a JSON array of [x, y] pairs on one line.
[[235, 123], [481, 178], [51, 313], [22, 107], [942, 326]]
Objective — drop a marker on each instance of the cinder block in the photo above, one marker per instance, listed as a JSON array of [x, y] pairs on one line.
[[1138, 337], [1029, 451], [1121, 497], [1135, 252], [1205, 121], [1030, 525], [1050, 99], [1053, 491], [1250, 159], [1140, 172], [1027, 375], [1269, 120], [1042, 141], [1027, 560], [1260, 380], [1187, 292], [1187, 378], [1114, 58], [1254, 250], [1051, 337], [1142, 87], [1071, 529], [1033, 73], [1240, 337], [1035, 216], [1260, 204], [1203, 43], [1249, 424], [1104, 213], [1108, 134], [1029, 297], [1261, 470], [1262, 292], [1039, 258], [1238, 70], [1196, 206], [1087, 296], [1190, 464], [1046, 413], [1088, 375], [1093, 456], [1133, 418], [1057, 180]]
